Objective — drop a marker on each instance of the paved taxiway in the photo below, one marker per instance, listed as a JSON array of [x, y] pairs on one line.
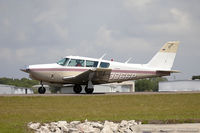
[[99, 94], [168, 128]]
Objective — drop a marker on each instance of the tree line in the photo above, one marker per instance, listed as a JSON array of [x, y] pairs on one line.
[[195, 77], [150, 84], [23, 82]]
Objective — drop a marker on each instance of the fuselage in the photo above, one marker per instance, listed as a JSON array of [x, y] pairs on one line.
[[71, 66], [86, 71]]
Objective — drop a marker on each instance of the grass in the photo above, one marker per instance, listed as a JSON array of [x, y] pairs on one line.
[[16, 111]]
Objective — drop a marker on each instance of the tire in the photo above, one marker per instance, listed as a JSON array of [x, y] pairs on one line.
[[41, 90], [77, 89], [89, 90]]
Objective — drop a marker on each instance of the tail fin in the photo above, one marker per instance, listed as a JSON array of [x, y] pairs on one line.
[[164, 59]]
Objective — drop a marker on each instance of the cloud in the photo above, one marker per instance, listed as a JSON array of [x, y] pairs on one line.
[[57, 53], [5, 54], [178, 23], [104, 36], [23, 53], [6, 22], [21, 36], [43, 31], [54, 18], [132, 4], [105, 39], [16, 55]]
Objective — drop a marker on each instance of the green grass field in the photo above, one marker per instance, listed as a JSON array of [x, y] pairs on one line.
[[16, 112]]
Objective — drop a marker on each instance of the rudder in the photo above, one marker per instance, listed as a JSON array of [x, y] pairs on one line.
[[164, 59]]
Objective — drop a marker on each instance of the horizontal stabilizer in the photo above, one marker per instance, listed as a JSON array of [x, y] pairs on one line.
[[171, 71], [166, 72]]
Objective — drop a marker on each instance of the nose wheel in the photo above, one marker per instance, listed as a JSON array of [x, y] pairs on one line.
[[41, 90]]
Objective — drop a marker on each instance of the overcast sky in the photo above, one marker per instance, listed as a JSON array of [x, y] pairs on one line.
[[43, 31]]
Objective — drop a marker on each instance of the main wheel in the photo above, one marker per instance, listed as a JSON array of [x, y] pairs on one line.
[[89, 90], [41, 90], [77, 89]]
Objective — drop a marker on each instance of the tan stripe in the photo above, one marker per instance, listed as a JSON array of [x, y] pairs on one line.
[[170, 47]]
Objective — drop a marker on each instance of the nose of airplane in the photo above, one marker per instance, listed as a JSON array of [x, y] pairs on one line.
[[25, 69]]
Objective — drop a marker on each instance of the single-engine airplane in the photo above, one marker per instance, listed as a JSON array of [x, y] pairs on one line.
[[86, 71]]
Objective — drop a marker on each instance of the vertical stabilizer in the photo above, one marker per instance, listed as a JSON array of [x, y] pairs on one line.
[[164, 59]]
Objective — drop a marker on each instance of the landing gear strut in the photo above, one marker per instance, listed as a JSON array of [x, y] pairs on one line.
[[41, 90], [89, 88], [77, 89]]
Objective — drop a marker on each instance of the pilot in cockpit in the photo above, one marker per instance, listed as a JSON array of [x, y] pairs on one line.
[[78, 63]]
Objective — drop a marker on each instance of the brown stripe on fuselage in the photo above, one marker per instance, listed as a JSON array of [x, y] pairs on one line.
[[82, 70], [57, 69]]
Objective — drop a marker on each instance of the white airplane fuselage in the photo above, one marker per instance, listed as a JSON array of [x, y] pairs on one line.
[[90, 71], [54, 73]]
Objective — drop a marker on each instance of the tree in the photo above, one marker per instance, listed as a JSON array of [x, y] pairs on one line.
[[150, 84], [195, 77]]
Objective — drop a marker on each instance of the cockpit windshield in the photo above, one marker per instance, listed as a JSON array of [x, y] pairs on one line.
[[63, 61]]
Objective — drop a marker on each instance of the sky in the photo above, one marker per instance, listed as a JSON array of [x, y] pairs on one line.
[[43, 31]]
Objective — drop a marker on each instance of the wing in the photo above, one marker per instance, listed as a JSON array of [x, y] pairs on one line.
[[97, 76]]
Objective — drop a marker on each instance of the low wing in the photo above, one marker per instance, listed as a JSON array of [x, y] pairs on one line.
[[97, 76]]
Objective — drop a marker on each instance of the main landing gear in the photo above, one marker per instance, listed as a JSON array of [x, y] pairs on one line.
[[88, 88], [77, 89], [41, 90]]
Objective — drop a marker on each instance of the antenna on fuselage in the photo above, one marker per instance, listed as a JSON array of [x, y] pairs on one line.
[[101, 59], [127, 60], [102, 56]]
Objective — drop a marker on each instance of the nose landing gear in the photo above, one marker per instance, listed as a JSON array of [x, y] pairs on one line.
[[41, 90]]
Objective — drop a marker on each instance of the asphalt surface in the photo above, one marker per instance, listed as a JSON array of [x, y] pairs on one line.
[[110, 93], [168, 128]]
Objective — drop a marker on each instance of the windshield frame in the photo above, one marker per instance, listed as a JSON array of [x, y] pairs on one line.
[[63, 61]]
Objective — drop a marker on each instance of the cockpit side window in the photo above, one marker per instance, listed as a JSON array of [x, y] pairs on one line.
[[76, 63], [90, 63], [63, 61], [104, 65]]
